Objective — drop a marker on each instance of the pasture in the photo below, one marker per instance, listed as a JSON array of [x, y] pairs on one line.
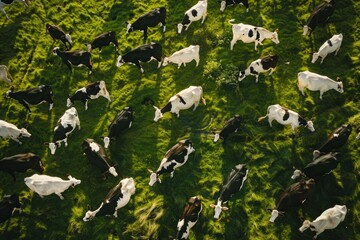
[[270, 153]]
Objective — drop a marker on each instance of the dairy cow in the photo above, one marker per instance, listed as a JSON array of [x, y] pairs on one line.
[[8, 2], [4, 74], [75, 58], [331, 45], [232, 125], [184, 56], [103, 40], [319, 16], [225, 3], [188, 217], [9, 130], [258, 66], [195, 13], [8, 205], [58, 34]]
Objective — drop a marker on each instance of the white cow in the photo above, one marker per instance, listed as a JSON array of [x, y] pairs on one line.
[[45, 185], [195, 13], [4, 74], [317, 82], [329, 219], [184, 56], [8, 2], [181, 101], [9, 130], [249, 33], [285, 116], [331, 45]]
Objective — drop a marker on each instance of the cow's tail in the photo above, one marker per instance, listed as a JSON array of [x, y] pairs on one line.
[[202, 98], [263, 117], [231, 21]]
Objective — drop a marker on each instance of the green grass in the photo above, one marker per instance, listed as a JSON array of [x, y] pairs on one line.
[[269, 152]]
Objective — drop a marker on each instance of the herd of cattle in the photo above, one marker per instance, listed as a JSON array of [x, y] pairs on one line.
[[324, 158]]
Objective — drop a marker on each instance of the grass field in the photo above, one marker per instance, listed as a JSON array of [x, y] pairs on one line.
[[270, 153]]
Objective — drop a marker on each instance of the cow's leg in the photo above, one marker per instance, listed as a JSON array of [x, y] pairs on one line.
[[271, 71], [137, 63], [145, 34], [115, 214], [196, 103], [270, 119], [197, 61], [89, 66], [65, 142], [336, 52], [322, 59], [16, 140], [3, 11], [25, 105], [68, 65], [257, 78], [60, 196], [164, 25], [177, 113], [159, 64], [172, 174], [256, 43], [232, 43], [86, 104], [321, 93], [203, 17], [179, 65]]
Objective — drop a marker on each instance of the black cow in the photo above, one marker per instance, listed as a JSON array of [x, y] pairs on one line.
[[293, 196], [225, 3], [231, 125], [143, 53], [188, 218], [33, 96], [104, 40], [96, 155], [8, 205], [149, 19], [230, 186], [58, 34], [319, 16], [122, 121], [76, 58], [261, 65], [21, 163]]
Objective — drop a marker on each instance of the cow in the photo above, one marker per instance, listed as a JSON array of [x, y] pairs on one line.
[[319, 167], [9, 130], [232, 125], [21, 163], [195, 13], [358, 133], [143, 53], [319, 16], [117, 198], [75, 58], [123, 120], [188, 217], [4, 74], [249, 33], [317, 82], [96, 155], [66, 124], [103, 40], [175, 157], [233, 184], [335, 140], [149, 19], [294, 195], [329, 219], [8, 2], [258, 66], [91, 91], [8, 205], [184, 56], [286, 116], [181, 101], [331, 45], [58, 34], [33, 96], [225, 3]]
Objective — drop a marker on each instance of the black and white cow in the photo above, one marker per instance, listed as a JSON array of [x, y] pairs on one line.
[[4, 74], [143, 53], [104, 40], [33, 96], [175, 157], [117, 198], [319, 16], [233, 184], [188, 217], [91, 91], [195, 13], [21, 163], [149, 19], [225, 3], [8, 205], [261, 65], [122, 121], [293, 196], [96, 155], [232, 125], [8, 2], [58, 34], [75, 58]]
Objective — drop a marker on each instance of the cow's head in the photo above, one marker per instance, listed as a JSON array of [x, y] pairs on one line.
[[24, 133], [166, 61], [103, 90], [106, 142], [56, 50], [306, 30], [274, 214], [68, 101], [113, 172], [120, 61], [53, 146], [275, 37], [241, 76], [180, 27], [74, 181], [222, 6], [310, 126], [89, 215], [89, 47], [297, 173], [315, 57], [68, 38], [129, 28], [128, 185], [340, 86], [153, 178], [305, 225], [218, 209], [158, 114]]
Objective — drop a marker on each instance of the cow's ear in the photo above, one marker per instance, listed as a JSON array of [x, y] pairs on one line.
[[70, 32], [269, 209], [46, 144]]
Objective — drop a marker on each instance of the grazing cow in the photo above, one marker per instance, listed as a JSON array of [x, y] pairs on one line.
[[104, 40], [175, 157], [75, 58], [96, 155], [66, 124], [58, 34], [143, 53], [91, 91], [294, 195], [319, 167], [248, 34], [184, 56], [188, 218], [33, 96], [8, 205], [195, 13], [258, 66], [230, 186], [117, 198], [335, 140], [9, 130], [358, 133], [8, 2], [286, 116], [122, 121], [232, 125], [319, 16], [21, 163], [329, 219], [4, 74], [331, 45], [149, 19], [181, 101], [225, 3]]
